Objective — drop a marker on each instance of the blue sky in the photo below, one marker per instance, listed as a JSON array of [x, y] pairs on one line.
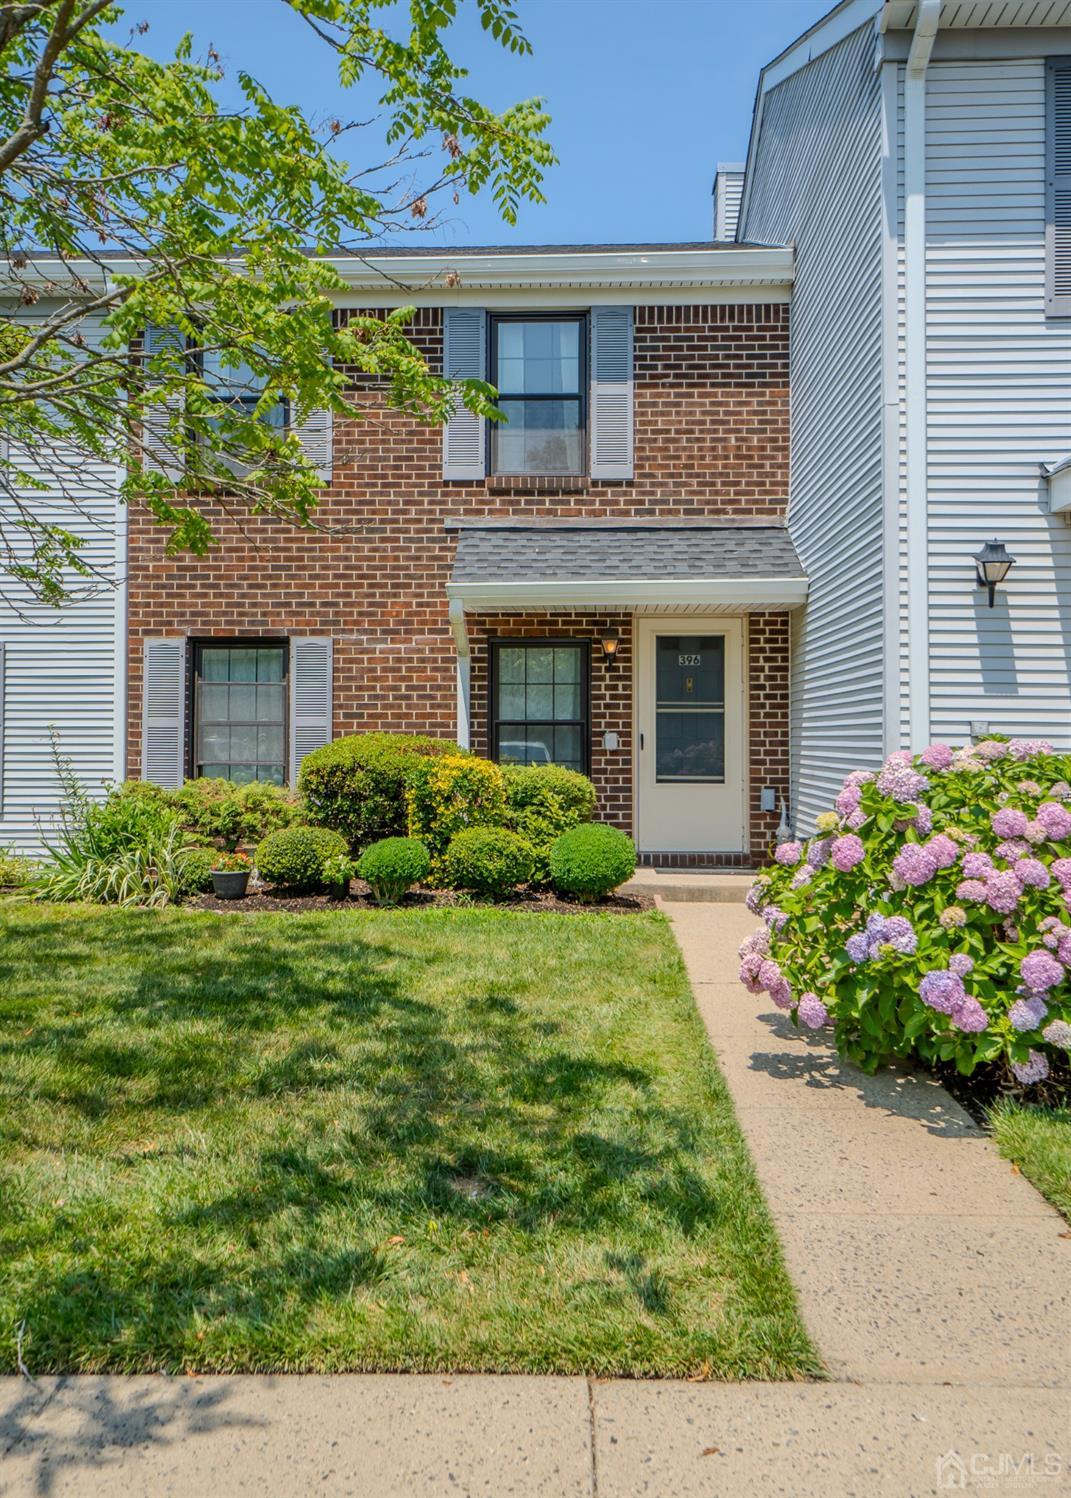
[[647, 95]]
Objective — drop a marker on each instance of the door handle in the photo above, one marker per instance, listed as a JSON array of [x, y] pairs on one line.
[[641, 742]]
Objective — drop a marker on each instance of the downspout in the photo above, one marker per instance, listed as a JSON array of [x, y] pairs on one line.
[[460, 632], [918, 580]]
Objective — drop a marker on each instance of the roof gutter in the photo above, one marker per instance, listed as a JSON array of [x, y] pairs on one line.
[[717, 592], [927, 21]]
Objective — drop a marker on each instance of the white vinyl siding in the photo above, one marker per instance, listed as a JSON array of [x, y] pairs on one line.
[[816, 181], [999, 404], [60, 665]]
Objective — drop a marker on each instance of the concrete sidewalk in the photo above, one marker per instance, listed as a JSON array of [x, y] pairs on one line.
[[918, 1254], [386, 1436]]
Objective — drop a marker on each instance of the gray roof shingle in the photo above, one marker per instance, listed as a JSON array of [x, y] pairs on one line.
[[624, 552]]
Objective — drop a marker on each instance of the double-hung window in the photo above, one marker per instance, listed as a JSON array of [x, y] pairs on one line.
[[238, 390], [539, 367], [539, 703], [239, 712]]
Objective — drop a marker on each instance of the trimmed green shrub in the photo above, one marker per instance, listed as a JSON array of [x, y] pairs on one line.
[[122, 822], [356, 785], [590, 861], [196, 870], [490, 861], [446, 796], [393, 866], [230, 814], [294, 857], [542, 802], [265, 808]]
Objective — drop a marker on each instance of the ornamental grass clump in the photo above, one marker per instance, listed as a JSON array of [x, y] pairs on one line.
[[930, 913]]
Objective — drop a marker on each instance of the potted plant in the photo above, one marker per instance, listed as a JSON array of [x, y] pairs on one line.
[[230, 875]]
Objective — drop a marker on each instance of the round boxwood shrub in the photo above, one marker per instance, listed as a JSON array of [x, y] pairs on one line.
[[542, 802], [356, 785], [590, 861], [393, 866], [294, 857], [928, 916], [446, 796], [195, 869], [490, 861]]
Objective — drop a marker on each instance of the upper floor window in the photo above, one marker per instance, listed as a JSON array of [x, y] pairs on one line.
[[538, 365], [238, 388]]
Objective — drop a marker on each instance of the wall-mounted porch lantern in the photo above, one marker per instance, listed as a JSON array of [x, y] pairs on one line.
[[610, 640], [992, 565]]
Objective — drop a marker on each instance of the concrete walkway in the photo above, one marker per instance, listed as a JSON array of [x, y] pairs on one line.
[[936, 1284]]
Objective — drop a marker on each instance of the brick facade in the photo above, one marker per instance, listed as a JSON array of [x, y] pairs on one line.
[[711, 442]]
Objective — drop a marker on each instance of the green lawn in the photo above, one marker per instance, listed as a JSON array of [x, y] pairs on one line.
[[452, 1139], [1039, 1141]]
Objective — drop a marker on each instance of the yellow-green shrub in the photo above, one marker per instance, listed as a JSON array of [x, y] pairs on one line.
[[448, 795]]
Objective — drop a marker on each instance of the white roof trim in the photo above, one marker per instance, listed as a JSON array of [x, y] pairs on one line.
[[742, 592], [594, 270]]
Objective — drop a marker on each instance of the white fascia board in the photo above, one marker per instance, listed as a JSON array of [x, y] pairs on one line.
[[753, 592], [595, 270], [1059, 482]]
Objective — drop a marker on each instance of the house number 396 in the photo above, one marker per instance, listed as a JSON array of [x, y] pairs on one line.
[[688, 660]]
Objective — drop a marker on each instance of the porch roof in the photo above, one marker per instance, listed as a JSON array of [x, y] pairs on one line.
[[648, 566]]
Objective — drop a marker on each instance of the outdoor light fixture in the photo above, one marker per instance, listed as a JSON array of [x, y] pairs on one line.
[[993, 565], [610, 641]]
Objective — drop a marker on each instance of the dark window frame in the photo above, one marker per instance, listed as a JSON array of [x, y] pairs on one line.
[[195, 646], [248, 403], [582, 396], [511, 642]]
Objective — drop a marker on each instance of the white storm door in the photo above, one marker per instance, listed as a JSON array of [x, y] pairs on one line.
[[690, 735]]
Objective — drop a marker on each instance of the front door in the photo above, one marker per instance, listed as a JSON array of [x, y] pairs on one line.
[[690, 735]]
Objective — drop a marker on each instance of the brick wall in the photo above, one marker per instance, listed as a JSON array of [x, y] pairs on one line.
[[611, 692], [711, 442]]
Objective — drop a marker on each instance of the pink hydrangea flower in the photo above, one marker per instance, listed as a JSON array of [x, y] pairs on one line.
[[1035, 832], [812, 1011], [788, 853], [1009, 821], [1058, 1033], [750, 964], [846, 852], [848, 800], [1040, 971], [923, 821], [856, 820], [781, 994], [943, 850], [1002, 892], [803, 875], [971, 890], [1060, 869], [774, 917], [953, 916], [1027, 748], [915, 864], [758, 941], [1027, 1014], [937, 756], [1031, 873], [1056, 820], [899, 779], [818, 852], [858, 946], [977, 865], [1034, 1069], [1029, 788], [1012, 848], [1063, 950], [970, 1016], [989, 749], [1061, 790], [942, 991], [960, 964]]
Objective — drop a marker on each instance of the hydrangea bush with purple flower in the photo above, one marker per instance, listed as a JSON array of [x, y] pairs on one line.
[[930, 914]]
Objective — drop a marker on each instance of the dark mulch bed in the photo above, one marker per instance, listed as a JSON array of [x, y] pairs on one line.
[[978, 1093], [265, 897]]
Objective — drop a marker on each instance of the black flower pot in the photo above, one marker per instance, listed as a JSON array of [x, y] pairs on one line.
[[230, 884]]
